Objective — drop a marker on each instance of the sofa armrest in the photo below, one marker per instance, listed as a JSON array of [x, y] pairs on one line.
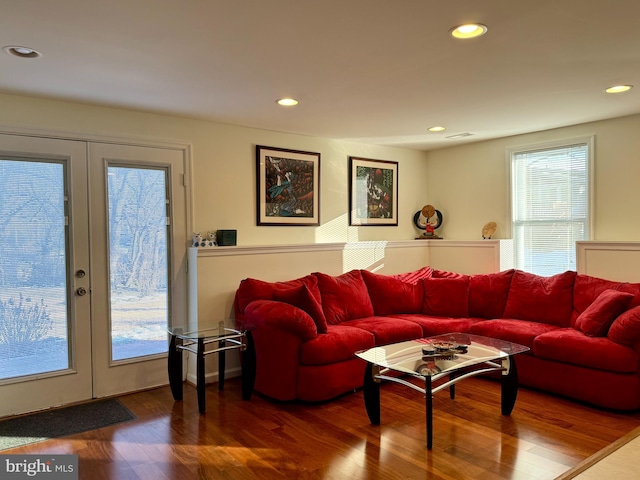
[[279, 315]]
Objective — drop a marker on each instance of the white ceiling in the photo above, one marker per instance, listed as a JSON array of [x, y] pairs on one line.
[[376, 71]]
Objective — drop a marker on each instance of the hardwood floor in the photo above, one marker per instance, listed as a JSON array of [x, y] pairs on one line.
[[260, 439]]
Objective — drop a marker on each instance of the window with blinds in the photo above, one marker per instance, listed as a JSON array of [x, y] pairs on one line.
[[550, 205]]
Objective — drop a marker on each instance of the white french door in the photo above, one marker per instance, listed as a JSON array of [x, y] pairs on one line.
[[92, 243], [138, 238]]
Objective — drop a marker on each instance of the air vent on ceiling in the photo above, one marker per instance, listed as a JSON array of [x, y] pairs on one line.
[[460, 135]]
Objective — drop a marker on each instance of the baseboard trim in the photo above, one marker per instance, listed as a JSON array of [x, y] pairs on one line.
[[213, 377]]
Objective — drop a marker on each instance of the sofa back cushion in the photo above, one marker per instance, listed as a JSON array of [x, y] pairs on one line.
[[390, 295], [251, 289], [598, 317], [302, 298], [446, 297], [344, 297], [488, 294], [633, 288], [541, 299]]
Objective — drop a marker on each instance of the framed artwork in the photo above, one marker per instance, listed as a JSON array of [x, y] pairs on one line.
[[288, 189], [373, 192]]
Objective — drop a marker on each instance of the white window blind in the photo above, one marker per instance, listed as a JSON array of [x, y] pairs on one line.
[[550, 206]]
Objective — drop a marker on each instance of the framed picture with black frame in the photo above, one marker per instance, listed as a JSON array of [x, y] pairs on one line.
[[373, 192], [288, 187]]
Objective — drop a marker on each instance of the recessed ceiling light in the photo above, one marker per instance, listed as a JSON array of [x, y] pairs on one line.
[[619, 88], [288, 102], [22, 52], [437, 129], [468, 30]]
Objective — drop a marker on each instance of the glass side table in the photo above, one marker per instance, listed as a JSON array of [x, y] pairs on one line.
[[196, 341]]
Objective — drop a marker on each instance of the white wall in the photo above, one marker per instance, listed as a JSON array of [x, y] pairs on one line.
[[470, 184], [224, 186]]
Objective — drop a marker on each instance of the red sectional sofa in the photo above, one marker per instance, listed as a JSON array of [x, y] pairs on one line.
[[583, 332]]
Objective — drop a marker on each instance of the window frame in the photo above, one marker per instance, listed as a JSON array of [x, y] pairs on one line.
[[589, 141]]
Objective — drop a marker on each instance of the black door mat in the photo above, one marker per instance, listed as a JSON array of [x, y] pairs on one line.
[[61, 422]]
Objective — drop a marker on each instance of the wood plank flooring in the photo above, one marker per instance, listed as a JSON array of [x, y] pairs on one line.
[[261, 439]]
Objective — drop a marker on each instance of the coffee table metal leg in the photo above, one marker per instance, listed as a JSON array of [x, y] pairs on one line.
[[174, 361], [248, 366], [429, 402], [371, 392], [200, 375], [509, 385]]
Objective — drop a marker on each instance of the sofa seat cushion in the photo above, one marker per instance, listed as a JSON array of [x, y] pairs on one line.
[[522, 332], [541, 299], [596, 319], [488, 294], [344, 297], [432, 325], [569, 345], [387, 329], [339, 344], [446, 297], [391, 295]]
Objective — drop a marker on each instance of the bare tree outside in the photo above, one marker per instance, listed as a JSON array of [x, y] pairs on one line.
[[33, 268], [138, 260]]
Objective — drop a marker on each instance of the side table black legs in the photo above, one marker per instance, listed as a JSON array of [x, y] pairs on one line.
[[248, 366], [175, 367], [200, 382], [195, 342]]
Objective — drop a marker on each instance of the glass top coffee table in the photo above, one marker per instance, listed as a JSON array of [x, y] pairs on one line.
[[440, 361]]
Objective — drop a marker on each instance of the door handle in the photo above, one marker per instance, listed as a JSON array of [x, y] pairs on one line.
[[81, 291]]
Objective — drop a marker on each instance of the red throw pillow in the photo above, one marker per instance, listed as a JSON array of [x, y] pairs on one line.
[[598, 317], [414, 278], [302, 298], [251, 289], [446, 297], [390, 295], [344, 297], [625, 329], [444, 274]]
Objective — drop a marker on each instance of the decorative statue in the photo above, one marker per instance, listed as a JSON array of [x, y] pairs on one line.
[[212, 240], [197, 240], [488, 230], [428, 219]]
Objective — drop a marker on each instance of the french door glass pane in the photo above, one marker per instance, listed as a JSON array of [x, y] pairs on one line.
[[33, 269], [138, 261]]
